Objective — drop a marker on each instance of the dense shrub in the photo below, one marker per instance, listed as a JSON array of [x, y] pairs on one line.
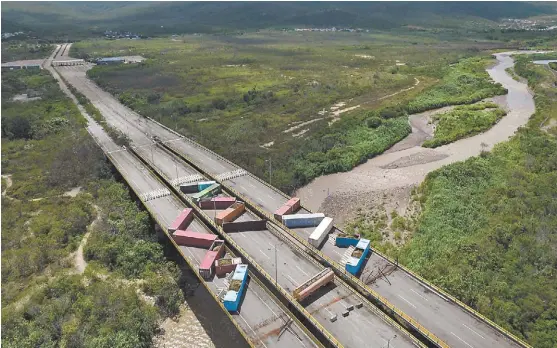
[[464, 121]]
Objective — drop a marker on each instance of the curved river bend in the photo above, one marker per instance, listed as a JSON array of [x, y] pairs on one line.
[[400, 170]]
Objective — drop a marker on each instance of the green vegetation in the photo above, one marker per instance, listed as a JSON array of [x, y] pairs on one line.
[[284, 88], [487, 228], [553, 65], [463, 121], [511, 72], [29, 49], [467, 82], [44, 301]]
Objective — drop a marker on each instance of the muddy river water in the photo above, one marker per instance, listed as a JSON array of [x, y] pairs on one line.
[[404, 167]]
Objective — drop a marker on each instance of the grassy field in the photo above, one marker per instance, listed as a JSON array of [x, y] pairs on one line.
[[313, 103], [464, 121], [45, 302], [486, 232], [28, 49]]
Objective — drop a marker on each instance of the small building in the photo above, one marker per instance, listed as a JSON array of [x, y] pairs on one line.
[[110, 61], [34, 64]]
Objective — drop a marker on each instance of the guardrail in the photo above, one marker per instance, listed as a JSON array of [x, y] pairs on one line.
[[203, 215], [276, 232]]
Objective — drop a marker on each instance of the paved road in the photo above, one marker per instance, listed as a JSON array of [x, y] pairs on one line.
[[361, 329], [260, 316]]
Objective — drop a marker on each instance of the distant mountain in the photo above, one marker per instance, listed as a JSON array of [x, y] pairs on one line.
[[151, 18]]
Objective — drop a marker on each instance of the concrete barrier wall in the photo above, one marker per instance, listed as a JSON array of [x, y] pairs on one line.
[[256, 225]]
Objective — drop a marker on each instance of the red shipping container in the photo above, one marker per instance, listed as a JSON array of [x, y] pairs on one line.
[[294, 203], [215, 252], [228, 267], [285, 209], [194, 239], [182, 221], [217, 203]]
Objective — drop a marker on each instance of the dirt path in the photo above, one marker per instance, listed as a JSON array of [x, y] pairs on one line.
[[9, 183], [378, 181], [79, 261]]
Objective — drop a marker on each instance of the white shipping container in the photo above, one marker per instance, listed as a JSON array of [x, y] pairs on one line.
[[320, 232]]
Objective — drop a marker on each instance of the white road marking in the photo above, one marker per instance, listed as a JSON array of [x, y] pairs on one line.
[[292, 280], [410, 303], [414, 291], [301, 270], [339, 254], [466, 343], [330, 313], [264, 254], [473, 331]]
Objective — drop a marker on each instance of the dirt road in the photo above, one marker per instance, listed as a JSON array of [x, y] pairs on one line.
[[394, 173]]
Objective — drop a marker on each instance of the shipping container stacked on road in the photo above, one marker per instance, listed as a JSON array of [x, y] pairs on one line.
[[215, 252], [193, 239], [357, 257], [289, 207], [231, 213], [182, 221], [302, 220], [233, 296], [313, 284], [321, 232], [226, 265]]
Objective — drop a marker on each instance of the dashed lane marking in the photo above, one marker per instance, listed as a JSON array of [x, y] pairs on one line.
[[414, 291], [466, 343], [473, 331], [410, 303]]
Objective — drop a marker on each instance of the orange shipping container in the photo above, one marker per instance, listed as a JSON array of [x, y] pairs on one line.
[[230, 214]]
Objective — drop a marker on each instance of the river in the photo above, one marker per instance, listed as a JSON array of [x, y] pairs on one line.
[[394, 173]]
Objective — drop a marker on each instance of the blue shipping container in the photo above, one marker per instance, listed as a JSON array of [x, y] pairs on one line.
[[302, 220], [209, 191], [354, 264], [233, 297], [345, 242], [202, 185]]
